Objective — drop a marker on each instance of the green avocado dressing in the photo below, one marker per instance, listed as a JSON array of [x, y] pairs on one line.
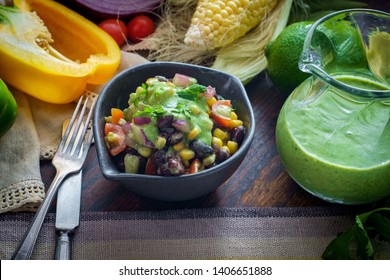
[[159, 98], [335, 147]]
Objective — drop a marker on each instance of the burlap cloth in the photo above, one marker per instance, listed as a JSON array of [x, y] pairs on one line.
[[34, 137]]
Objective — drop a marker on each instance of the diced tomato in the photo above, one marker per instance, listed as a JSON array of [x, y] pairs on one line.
[[196, 166], [221, 112], [150, 168], [116, 115], [115, 140]]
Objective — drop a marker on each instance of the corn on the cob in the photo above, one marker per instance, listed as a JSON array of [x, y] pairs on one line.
[[217, 23]]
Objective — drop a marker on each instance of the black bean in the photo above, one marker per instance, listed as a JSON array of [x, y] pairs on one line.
[[119, 158], [173, 167], [175, 138], [221, 155], [201, 149], [119, 161], [237, 134], [142, 164], [164, 121], [166, 132], [159, 157]]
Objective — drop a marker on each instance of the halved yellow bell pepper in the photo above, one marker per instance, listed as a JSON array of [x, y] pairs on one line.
[[52, 52]]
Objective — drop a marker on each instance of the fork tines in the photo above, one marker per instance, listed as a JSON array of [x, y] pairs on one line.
[[78, 126]]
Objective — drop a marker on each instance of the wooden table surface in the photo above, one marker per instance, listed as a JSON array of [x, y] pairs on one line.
[[261, 180]]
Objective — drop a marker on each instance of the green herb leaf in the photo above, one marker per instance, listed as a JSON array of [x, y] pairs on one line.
[[368, 225], [136, 102], [364, 247], [338, 249], [181, 110], [191, 92], [144, 91], [151, 111], [382, 225]]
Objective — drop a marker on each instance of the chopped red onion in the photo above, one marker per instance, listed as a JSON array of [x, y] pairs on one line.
[[181, 125], [141, 120]]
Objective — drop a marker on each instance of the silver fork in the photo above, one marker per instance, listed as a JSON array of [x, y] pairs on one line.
[[68, 159]]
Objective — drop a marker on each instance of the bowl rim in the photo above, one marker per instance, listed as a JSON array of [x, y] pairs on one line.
[[108, 168]]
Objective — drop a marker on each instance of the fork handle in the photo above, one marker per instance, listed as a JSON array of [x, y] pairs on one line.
[[63, 245], [26, 246]]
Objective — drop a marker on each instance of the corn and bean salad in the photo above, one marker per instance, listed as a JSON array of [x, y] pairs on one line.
[[173, 127]]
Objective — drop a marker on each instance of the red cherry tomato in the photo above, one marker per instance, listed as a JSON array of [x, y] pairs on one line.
[[140, 27], [116, 28], [221, 112]]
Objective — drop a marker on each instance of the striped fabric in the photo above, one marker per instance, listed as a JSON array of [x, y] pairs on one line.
[[236, 233]]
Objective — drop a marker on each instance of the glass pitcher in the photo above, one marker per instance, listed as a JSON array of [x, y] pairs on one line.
[[333, 132]]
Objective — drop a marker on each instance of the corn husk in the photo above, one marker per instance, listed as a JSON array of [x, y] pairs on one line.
[[244, 58]]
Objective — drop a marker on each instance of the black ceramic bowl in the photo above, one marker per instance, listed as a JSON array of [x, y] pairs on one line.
[[116, 94]]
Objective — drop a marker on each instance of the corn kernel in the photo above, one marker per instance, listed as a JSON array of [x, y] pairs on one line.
[[220, 134], [108, 119], [235, 123], [161, 141], [112, 137], [209, 160], [211, 101], [187, 154], [233, 115], [170, 91], [226, 148], [209, 14], [217, 142], [122, 121], [193, 133], [151, 81], [179, 146], [234, 19], [194, 109], [139, 89], [144, 151], [233, 146]]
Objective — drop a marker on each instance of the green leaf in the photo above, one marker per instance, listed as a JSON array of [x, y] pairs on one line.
[[364, 247], [192, 92], [136, 102], [151, 111], [181, 110], [381, 224], [367, 226], [338, 248]]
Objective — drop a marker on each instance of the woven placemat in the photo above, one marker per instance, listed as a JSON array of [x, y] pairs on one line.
[[233, 233]]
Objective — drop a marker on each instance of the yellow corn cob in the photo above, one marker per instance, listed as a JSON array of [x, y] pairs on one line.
[[217, 23]]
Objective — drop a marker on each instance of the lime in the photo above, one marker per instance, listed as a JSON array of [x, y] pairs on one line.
[[283, 56], [338, 41]]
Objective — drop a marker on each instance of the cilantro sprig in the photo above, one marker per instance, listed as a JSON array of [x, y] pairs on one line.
[[151, 111], [191, 92], [367, 227], [181, 110]]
